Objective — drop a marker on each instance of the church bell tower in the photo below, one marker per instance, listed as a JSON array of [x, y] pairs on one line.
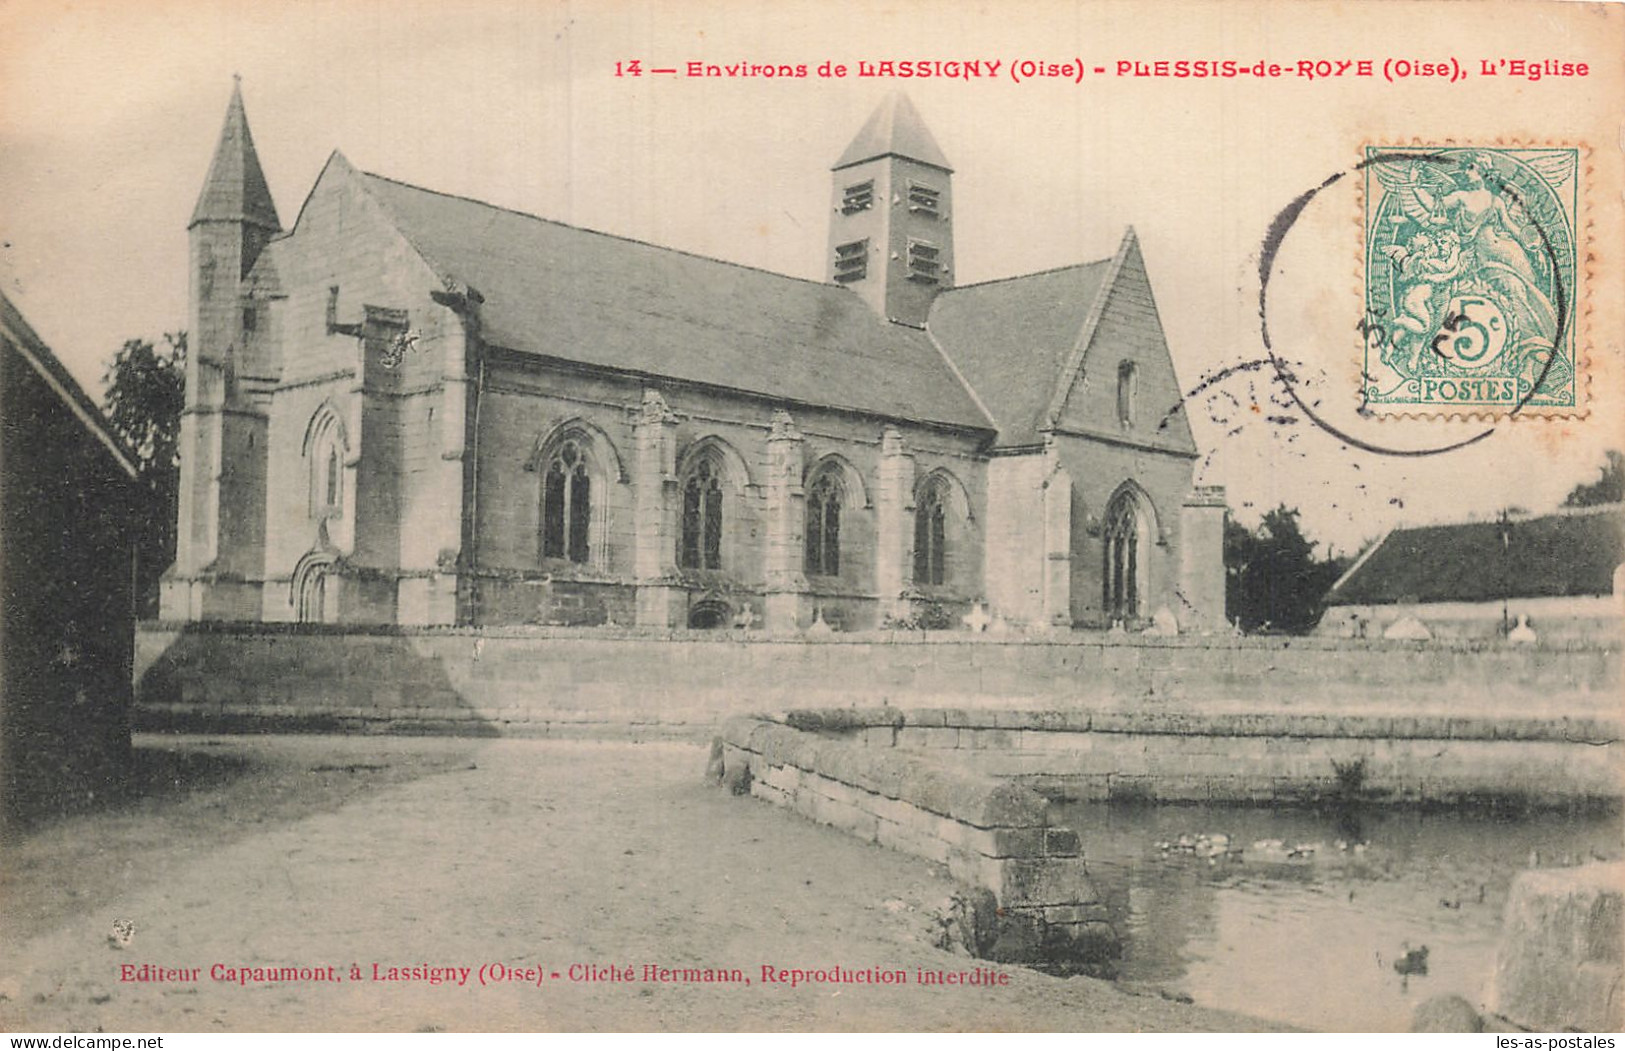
[[219, 548], [891, 231]]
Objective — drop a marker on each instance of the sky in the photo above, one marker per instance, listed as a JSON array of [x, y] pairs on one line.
[[113, 111]]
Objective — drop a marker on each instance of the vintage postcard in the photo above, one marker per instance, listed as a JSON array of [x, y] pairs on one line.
[[714, 515]]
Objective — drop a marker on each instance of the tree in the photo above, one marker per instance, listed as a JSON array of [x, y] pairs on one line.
[[1273, 581], [145, 392], [1608, 489]]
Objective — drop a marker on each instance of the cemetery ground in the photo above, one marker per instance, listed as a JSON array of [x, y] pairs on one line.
[[433, 852]]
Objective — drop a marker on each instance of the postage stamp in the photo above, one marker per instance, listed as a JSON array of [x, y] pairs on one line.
[[1471, 280]]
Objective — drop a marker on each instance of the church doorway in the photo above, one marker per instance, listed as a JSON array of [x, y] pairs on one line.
[[313, 596], [310, 596]]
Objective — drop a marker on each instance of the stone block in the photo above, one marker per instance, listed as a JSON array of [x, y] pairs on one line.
[[991, 842], [910, 840], [988, 738], [772, 795], [880, 736], [928, 737], [1446, 1014], [1037, 881], [1062, 842], [897, 811], [1559, 963], [784, 778], [1084, 945]]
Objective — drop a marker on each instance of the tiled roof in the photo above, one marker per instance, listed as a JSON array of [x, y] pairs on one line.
[[574, 294], [894, 129], [1011, 338], [235, 189], [1570, 552]]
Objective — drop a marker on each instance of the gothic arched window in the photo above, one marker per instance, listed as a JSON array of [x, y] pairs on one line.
[[824, 526], [325, 447], [701, 546], [1123, 578], [930, 537], [1126, 383], [566, 504]]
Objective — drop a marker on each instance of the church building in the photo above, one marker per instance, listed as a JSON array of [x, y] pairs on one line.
[[415, 408]]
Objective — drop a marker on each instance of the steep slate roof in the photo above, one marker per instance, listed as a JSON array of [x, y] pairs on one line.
[[894, 129], [1570, 552], [16, 334], [1011, 338], [235, 189], [578, 295]]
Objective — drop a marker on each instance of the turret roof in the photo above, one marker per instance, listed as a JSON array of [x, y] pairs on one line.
[[235, 190], [894, 129]]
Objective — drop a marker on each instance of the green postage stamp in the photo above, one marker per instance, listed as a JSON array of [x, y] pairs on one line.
[[1472, 289]]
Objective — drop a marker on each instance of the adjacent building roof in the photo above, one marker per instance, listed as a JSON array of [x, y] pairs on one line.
[[578, 295], [16, 335], [896, 130], [1011, 338], [235, 189], [1570, 552]]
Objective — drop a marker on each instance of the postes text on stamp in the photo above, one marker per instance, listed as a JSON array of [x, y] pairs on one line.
[[1471, 281]]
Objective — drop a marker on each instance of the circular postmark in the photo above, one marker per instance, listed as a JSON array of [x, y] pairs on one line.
[[1469, 265]]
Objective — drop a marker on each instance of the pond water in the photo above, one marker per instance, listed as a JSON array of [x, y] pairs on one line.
[[1300, 916]]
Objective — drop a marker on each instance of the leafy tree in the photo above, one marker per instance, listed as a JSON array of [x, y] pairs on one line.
[[1273, 581], [145, 392], [1608, 489]]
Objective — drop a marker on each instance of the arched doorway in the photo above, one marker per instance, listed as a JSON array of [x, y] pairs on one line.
[[309, 588]]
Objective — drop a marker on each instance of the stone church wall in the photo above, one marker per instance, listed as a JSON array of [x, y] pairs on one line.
[[1098, 472], [528, 405], [1015, 535], [401, 494]]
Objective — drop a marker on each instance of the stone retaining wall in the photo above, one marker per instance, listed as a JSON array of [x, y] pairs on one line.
[[549, 681], [992, 834], [1254, 757]]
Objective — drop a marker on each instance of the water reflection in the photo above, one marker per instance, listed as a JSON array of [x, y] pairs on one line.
[[1303, 915]]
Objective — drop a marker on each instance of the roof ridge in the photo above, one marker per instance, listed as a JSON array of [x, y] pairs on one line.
[[1034, 273], [1518, 516], [599, 233]]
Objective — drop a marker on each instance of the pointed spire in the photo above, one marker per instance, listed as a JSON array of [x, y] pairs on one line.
[[894, 129], [235, 190]]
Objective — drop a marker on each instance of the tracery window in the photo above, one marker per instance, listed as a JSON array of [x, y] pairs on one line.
[[701, 546], [824, 527], [1123, 578], [566, 504], [930, 537]]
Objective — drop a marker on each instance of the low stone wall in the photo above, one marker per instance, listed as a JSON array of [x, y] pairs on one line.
[[549, 681], [1561, 962], [991, 834], [1258, 757]]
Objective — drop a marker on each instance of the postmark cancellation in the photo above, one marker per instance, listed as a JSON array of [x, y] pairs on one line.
[[1474, 289]]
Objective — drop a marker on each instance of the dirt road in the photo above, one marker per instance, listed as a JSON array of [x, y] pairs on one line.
[[433, 855]]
